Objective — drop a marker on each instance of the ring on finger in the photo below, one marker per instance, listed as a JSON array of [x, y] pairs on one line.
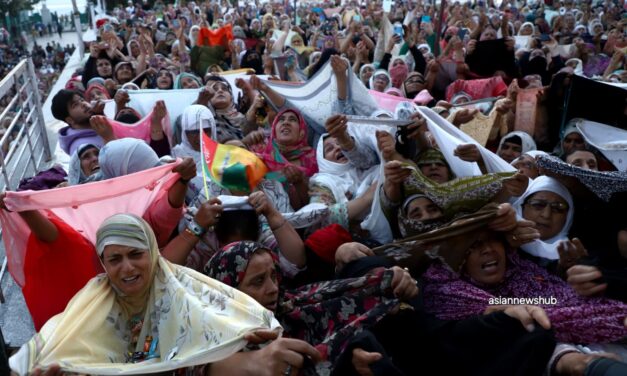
[[514, 237], [288, 370]]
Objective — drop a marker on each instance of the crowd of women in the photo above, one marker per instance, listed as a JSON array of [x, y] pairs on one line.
[[417, 162]]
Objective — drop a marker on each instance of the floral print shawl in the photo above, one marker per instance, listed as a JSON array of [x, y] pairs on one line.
[[324, 314]]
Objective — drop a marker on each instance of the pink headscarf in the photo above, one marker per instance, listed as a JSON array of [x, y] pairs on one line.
[[395, 91], [398, 74], [93, 87], [277, 156]]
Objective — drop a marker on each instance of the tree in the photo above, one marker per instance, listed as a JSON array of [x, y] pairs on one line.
[[13, 7]]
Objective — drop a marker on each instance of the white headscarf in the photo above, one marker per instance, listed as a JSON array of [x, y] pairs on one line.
[[523, 25], [192, 118], [379, 72], [192, 40], [126, 156], [341, 178], [547, 248], [528, 143]]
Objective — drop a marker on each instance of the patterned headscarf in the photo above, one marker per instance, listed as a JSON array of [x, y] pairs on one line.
[[278, 156], [411, 227], [229, 265]]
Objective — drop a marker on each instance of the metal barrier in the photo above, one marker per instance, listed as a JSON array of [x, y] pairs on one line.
[[24, 146]]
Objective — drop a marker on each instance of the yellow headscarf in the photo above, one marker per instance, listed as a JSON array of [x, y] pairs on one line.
[[197, 320]]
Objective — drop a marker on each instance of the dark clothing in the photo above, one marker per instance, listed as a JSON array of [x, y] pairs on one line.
[[161, 147], [418, 343], [491, 56]]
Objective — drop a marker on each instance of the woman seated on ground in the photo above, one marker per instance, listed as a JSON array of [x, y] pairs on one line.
[[493, 270], [345, 185], [120, 313], [549, 205]]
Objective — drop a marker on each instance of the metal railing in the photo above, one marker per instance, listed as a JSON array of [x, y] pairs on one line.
[[24, 146]]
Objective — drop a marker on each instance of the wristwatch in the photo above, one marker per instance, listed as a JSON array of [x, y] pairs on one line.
[[196, 229]]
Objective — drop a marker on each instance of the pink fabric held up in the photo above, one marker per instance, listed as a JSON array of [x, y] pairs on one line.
[[85, 207], [141, 129]]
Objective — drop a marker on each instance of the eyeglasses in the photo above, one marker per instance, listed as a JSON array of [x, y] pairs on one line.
[[416, 80], [540, 205]]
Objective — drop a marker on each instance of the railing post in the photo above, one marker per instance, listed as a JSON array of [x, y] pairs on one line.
[[41, 123]]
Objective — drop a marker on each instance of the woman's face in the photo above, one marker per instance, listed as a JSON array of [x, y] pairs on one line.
[[526, 30], [135, 49], [333, 151], [260, 280], [287, 131], [488, 34], [583, 159], [97, 94], [436, 171], [509, 151], [486, 262], [189, 83], [124, 73], [573, 141], [164, 80], [297, 41], [398, 62], [89, 161], [367, 73], [255, 25], [526, 165], [380, 82], [128, 268], [221, 95], [414, 83], [195, 33], [549, 212], [422, 209], [103, 67]]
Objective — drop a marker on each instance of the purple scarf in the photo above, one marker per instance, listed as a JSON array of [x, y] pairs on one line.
[[575, 319]]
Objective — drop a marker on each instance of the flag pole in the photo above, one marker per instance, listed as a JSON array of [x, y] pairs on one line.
[[204, 163]]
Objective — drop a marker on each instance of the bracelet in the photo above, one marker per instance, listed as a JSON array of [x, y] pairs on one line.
[[279, 226], [195, 229]]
